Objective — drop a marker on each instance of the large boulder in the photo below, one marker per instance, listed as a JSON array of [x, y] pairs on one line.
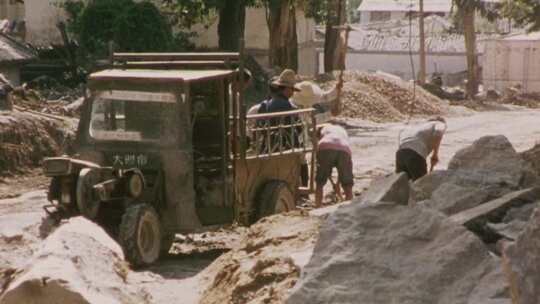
[[495, 154], [78, 263], [488, 169], [522, 264], [532, 157], [389, 253]]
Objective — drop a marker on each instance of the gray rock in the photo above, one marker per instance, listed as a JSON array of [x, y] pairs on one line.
[[450, 198], [495, 210], [492, 184], [521, 262], [509, 231], [78, 263], [496, 155], [388, 253], [393, 188]]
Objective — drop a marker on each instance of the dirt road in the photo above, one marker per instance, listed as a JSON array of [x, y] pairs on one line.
[[374, 150], [374, 146]]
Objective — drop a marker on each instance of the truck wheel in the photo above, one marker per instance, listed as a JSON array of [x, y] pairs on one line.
[[86, 202], [140, 235], [275, 198]]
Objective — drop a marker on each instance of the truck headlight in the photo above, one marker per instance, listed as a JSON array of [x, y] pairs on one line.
[[135, 185], [55, 166]]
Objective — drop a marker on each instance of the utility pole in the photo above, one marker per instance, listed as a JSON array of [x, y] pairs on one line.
[[422, 78]]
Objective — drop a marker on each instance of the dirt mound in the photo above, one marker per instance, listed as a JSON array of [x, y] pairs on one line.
[[384, 99], [26, 138], [266, 265]]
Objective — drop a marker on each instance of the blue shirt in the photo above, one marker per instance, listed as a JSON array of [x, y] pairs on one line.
[[279, 103]]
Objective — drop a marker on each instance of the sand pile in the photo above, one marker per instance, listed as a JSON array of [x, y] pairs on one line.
[[26, 138], [383, 99], [267, 263]]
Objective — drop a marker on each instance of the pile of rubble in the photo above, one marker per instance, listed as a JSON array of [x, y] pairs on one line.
[[382, 98], [444, 239], [529, 100], [48, 98], [27, 137]]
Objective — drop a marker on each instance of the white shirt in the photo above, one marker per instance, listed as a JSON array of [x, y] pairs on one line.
[[422, 138]]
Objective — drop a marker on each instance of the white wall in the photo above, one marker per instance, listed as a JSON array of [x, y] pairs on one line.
[[41, 19], [507, 63], [399, 63]]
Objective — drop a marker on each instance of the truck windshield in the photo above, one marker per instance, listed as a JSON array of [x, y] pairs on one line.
[[132, 116]]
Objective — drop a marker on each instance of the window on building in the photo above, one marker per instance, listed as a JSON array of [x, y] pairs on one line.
[[379, 16]]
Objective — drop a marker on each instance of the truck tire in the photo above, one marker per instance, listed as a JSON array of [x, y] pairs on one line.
[[275, 198], [87, 204], [140, 235]]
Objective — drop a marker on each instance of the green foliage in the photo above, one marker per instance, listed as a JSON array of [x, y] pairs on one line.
[[525, 12], [133, 27], [141, 28]]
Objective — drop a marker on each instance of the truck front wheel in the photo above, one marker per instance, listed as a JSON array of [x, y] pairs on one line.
[[140, 235]]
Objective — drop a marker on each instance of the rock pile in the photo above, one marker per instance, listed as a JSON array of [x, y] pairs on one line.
[[381, 99], [442, 247]]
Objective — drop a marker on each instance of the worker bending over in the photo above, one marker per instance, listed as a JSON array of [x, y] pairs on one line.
[[333, 152], [416, 143]]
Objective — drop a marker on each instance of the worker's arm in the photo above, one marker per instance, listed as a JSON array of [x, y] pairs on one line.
[[331, 95]]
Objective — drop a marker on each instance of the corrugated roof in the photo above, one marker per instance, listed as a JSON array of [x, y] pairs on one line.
[[374, 41], [160, 75], [13, 51], [430, 6]]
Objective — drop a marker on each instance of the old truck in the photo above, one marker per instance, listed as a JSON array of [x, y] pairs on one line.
[[164, 147]]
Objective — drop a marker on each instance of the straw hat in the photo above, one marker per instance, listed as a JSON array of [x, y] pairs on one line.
[[286, 79], [308, 95]]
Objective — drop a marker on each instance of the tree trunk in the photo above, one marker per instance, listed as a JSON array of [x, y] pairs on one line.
[[469, 32], [336, 16], [283, 41], [422, 78], [231, 25]]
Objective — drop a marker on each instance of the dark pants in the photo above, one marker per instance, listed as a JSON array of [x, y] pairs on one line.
[[304, 174], [327, 160], [410, 162]]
